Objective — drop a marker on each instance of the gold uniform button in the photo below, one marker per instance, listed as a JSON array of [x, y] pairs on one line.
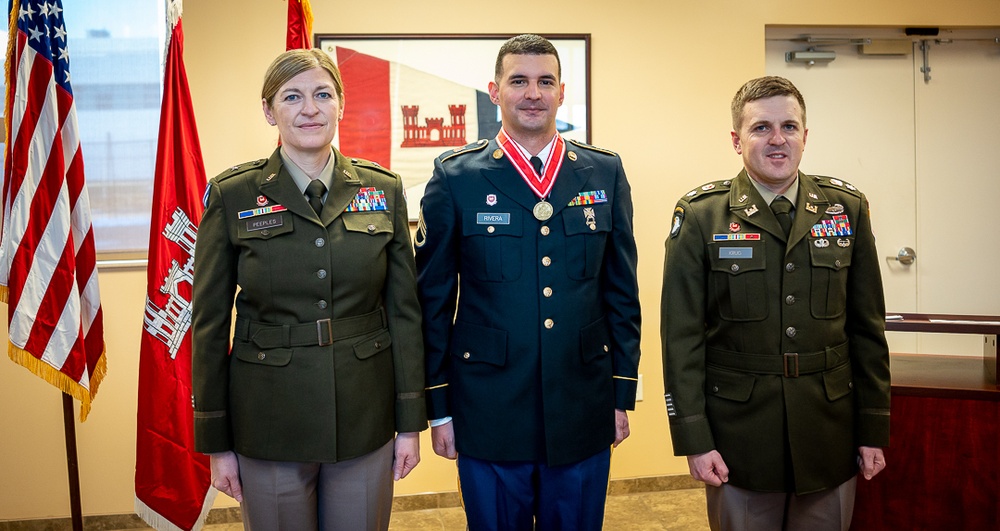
[[498, 154], [549, 323], [606, 349], [734, 267], [790, 300], [545, 230], [265, 232], [378, 344], [791, 331], [491, 229], [321, 304], [466, 355], [546, 261], [789, 267], [261, 356], [371, 228], [547, 291]]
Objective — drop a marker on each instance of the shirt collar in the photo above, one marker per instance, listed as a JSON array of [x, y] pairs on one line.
[[302, 180]]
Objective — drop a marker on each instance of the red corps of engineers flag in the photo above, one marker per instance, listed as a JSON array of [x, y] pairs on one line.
[[48, 266], [172, 481]]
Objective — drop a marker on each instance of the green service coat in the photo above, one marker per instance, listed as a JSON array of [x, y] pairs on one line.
[[743, 311], [271, 396]]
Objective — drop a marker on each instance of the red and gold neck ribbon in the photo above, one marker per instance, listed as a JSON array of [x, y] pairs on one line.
[[540, 184]]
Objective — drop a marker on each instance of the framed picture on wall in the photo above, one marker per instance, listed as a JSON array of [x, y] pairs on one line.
[[411, 97]]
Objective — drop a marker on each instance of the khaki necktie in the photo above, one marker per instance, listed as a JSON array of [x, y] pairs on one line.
[[314, 192], [782, 208]]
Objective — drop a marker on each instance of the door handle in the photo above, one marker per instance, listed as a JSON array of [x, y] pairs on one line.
[[906, 256]]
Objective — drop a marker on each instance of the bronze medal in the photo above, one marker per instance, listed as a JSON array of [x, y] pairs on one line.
[[542, 210]]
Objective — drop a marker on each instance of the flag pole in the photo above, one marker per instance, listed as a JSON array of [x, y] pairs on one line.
[[72, 465]]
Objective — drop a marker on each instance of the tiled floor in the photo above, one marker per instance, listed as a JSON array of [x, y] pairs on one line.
[[674, 510]]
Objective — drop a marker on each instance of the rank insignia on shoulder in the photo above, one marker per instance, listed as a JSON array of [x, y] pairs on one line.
[[592, 148], [420, 238], [468, 148]]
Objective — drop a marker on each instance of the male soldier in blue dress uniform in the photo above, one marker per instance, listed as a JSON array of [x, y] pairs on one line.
[[527, 278], [776, 366]]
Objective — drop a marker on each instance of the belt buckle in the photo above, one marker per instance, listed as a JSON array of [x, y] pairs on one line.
[[321, 325], [791, 365]]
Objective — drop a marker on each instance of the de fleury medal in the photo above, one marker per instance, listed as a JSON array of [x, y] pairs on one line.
[[542, 184]]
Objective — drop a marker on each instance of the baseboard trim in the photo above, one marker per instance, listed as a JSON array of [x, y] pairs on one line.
[[411, 502]]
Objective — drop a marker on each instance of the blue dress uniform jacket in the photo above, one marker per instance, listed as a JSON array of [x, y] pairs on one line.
[[544, 344], [327, 358], [775, 352]]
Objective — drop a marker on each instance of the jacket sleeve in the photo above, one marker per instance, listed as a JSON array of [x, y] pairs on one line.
[[621, 294], [212, 308], [437, 247], [866, 333], [403, 311], [682, 331]]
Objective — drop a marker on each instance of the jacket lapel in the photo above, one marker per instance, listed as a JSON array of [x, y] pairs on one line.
[[572, 177], [501, 173], [346, 185], [811, 206], [747, 204], [277, 184]]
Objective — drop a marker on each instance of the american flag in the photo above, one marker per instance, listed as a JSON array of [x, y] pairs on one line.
[[48, 270]]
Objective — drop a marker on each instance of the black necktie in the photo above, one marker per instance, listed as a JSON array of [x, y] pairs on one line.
[[537, 164], [314, 192], [781, 207]]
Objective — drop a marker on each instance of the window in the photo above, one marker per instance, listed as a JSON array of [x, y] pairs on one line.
[[116, 50]]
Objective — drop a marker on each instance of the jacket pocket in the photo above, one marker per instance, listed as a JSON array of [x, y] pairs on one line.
[[473, 344], [274, 357], [839, 382], [371, 346], [737, 281], [729, 385], [831, 261], [586, 228], [264, 227], [595, 341], [491, 244], [371, 223]]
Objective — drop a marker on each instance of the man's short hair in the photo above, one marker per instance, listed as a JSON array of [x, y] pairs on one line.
[[527, 44], [760, 88]]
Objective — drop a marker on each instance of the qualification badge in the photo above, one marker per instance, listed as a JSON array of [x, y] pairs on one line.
[[591, 219]]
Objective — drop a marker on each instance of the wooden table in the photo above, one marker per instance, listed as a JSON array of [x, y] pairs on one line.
[[943, 460]]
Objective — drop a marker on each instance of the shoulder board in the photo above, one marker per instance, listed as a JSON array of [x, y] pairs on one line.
[[713, 187], [372, 165], [592, 148], [830, 182], [468, 148], [240, 168]]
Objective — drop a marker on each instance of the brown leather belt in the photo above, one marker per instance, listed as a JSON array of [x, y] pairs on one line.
[[789, 365], [317, 333]]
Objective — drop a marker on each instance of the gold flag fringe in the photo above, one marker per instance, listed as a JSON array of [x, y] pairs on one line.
[[9, 66], [60, 380]]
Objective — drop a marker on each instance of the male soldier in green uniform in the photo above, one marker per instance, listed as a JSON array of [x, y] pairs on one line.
[[776, 367]]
